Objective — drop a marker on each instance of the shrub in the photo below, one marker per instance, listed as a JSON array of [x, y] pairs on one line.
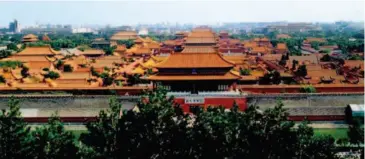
[[109, 50], [93, 72], [149, 71], [326, 51], [10, 64], [245, 72], [107, 80], [302, 71], [106, 69], [315, 45], [356, 57], [52, 75], [127, 43], [282, 62], [2, 79], [326, 58], [59, 63], [12, 46], [4, 53], [307, 89], [67, 68], [82, 49], [24, 72]]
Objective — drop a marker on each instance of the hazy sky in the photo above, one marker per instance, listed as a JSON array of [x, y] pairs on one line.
[[133, 12]]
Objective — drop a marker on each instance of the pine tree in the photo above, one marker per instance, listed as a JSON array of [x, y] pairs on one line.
[[355, 133], [14, 132], [102, 135], [158, 128], [53, 141]]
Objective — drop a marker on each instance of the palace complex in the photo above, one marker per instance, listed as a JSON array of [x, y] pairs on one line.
[[200, 60], [196, 62], [200, 67]]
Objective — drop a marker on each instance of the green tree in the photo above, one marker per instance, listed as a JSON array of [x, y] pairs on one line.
[[24, 71], [52, 75], [271, 77], [283, 59], [315, 45], [53, 141], [4, 53], [67, 68], [302, 71], [36, 44], [2, 79], [109, 50], [107, 79], [10, 64], [149, 71], [355, 132], [134, 79], [14, 133], [356, 57], [127, 43], [158, 128], [293, 45], [12, 46], [272, 35], [102, 136], [153, 130], [308, 89], [294, 64], [245, 72], [59, 64], [326, 58], [325, 51], [94, 72], [342, 142]]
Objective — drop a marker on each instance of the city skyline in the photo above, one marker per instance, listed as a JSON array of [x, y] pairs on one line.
[[202, 12]]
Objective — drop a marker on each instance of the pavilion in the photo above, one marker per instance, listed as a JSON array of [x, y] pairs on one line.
[[195, 72]]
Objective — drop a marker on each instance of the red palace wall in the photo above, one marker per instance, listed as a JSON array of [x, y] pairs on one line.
[[90, 119], [318, 118], [295, 89], [226, 102]]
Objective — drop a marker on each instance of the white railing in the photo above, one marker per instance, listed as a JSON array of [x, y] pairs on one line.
[[207, 93], [222, 93], [178, 94]]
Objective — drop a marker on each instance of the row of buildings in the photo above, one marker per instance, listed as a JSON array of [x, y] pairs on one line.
[[200, 60], [199, 67]]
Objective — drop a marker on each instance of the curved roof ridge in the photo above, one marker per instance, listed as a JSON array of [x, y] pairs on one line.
[[230, 71], [221, 56], [29, 50], [195, 60]]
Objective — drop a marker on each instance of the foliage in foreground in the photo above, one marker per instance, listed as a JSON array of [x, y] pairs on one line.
[[308, 89], [17, 141], [158, 128]]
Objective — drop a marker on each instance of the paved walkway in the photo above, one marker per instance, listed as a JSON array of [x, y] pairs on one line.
[[328, 125], [314, 125], [67, 127]]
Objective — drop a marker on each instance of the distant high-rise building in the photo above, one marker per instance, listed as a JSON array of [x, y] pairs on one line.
[[14, 26]]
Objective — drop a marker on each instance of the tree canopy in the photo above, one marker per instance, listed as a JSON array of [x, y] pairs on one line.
[[10, 64], [302, 71], [158, 128], [245, 72], [52, 75], [127, 43]]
